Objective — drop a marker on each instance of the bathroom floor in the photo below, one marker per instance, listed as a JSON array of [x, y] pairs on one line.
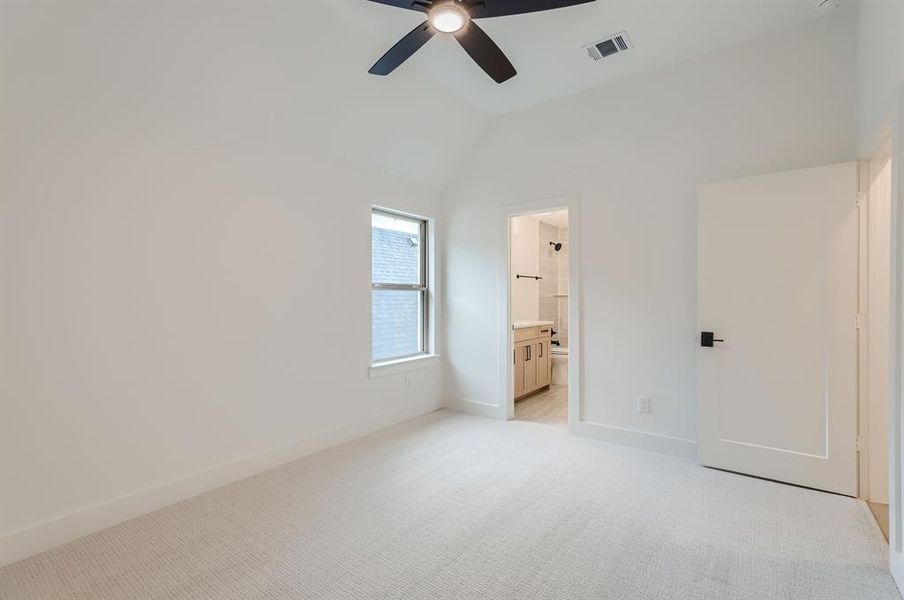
[[549, 406]]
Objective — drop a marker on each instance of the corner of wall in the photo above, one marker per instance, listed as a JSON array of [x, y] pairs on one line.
[[64, 529]]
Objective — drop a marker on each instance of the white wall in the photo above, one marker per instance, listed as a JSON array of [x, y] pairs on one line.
[[635, 154], [880, 71], [525, 257], [184, 237]]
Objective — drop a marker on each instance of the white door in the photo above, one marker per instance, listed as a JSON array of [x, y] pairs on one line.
[[777, 281]]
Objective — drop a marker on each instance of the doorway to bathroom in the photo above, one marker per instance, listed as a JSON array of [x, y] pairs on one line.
[[539, 283]]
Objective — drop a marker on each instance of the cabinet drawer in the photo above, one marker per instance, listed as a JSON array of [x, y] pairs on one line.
[[526, 333], [532, 333]]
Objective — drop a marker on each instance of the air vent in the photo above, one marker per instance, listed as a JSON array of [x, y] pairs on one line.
[[609, 46]]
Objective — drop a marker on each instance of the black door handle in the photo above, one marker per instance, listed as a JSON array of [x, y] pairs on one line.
[[707, 338]]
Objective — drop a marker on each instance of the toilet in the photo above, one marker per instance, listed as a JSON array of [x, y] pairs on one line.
[[559, 358]]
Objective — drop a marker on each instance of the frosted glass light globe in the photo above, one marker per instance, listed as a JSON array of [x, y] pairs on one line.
[[448, 18]]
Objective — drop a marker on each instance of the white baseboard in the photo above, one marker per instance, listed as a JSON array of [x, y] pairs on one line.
[[622, 436], [896, 566], [472, 407], [55, 532], [642, 440]]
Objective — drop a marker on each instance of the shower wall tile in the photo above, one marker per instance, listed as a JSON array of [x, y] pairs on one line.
[[554, 285], [562, 287], [549, 271]]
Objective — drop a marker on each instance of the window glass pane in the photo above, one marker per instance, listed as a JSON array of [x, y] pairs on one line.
[[396, 323], [396, 249]]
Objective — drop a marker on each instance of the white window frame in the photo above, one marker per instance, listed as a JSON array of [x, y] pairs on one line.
[[425, 355]]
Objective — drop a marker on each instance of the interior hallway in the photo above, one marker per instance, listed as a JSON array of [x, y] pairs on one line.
[[456, 506]]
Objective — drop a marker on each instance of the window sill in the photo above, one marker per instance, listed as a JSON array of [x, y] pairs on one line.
[[391, 367]]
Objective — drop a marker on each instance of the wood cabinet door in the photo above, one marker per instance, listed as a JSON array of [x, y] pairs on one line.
[[530, 366], [519, 355], [542, 363]]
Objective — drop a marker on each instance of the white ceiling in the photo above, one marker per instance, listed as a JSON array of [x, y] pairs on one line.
[[546, 47]]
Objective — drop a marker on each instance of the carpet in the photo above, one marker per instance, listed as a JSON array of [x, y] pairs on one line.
[[455, 506]]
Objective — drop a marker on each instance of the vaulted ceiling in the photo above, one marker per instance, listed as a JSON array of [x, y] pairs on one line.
[[296, 73], [546, 47]]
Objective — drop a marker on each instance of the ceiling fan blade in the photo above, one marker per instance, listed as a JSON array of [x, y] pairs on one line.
[[485, 52], [403, 49], [420, 5], [482, 9]]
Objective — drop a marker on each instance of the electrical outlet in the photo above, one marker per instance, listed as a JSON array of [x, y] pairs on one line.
[[643, 404], [407, 383]]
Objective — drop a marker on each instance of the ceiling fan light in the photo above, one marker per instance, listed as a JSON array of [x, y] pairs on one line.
[[448, 18]]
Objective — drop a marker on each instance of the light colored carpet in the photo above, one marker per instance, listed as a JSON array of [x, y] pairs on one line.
[[452, 506]]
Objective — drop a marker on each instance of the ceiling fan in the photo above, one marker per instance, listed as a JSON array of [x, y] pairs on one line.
[[456, 17]]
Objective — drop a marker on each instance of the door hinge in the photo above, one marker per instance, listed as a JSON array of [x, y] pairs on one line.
[[857, 443], [860, 321], [861, 197]]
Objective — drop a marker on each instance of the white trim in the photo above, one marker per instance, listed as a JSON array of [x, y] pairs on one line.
[[642, 440], [66, 528], [475, 407], [505, 407], [863, 332], [896, 418], [896, 566], [401, 365]]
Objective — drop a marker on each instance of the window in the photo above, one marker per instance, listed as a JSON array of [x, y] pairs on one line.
[[399, 286]]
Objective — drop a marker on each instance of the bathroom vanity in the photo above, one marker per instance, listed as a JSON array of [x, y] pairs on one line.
[[531, 356]]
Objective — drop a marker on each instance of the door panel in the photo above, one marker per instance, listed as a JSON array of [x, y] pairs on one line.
[[519, 370], [530, 366], [542, 363], [777, 280]]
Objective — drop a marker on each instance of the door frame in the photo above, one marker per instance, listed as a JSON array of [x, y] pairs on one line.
[[862, 331], [884, 152], [895, 131], [505, 385], [889, 141]]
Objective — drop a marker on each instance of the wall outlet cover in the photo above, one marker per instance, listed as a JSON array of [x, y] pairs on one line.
[[643, 404]]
